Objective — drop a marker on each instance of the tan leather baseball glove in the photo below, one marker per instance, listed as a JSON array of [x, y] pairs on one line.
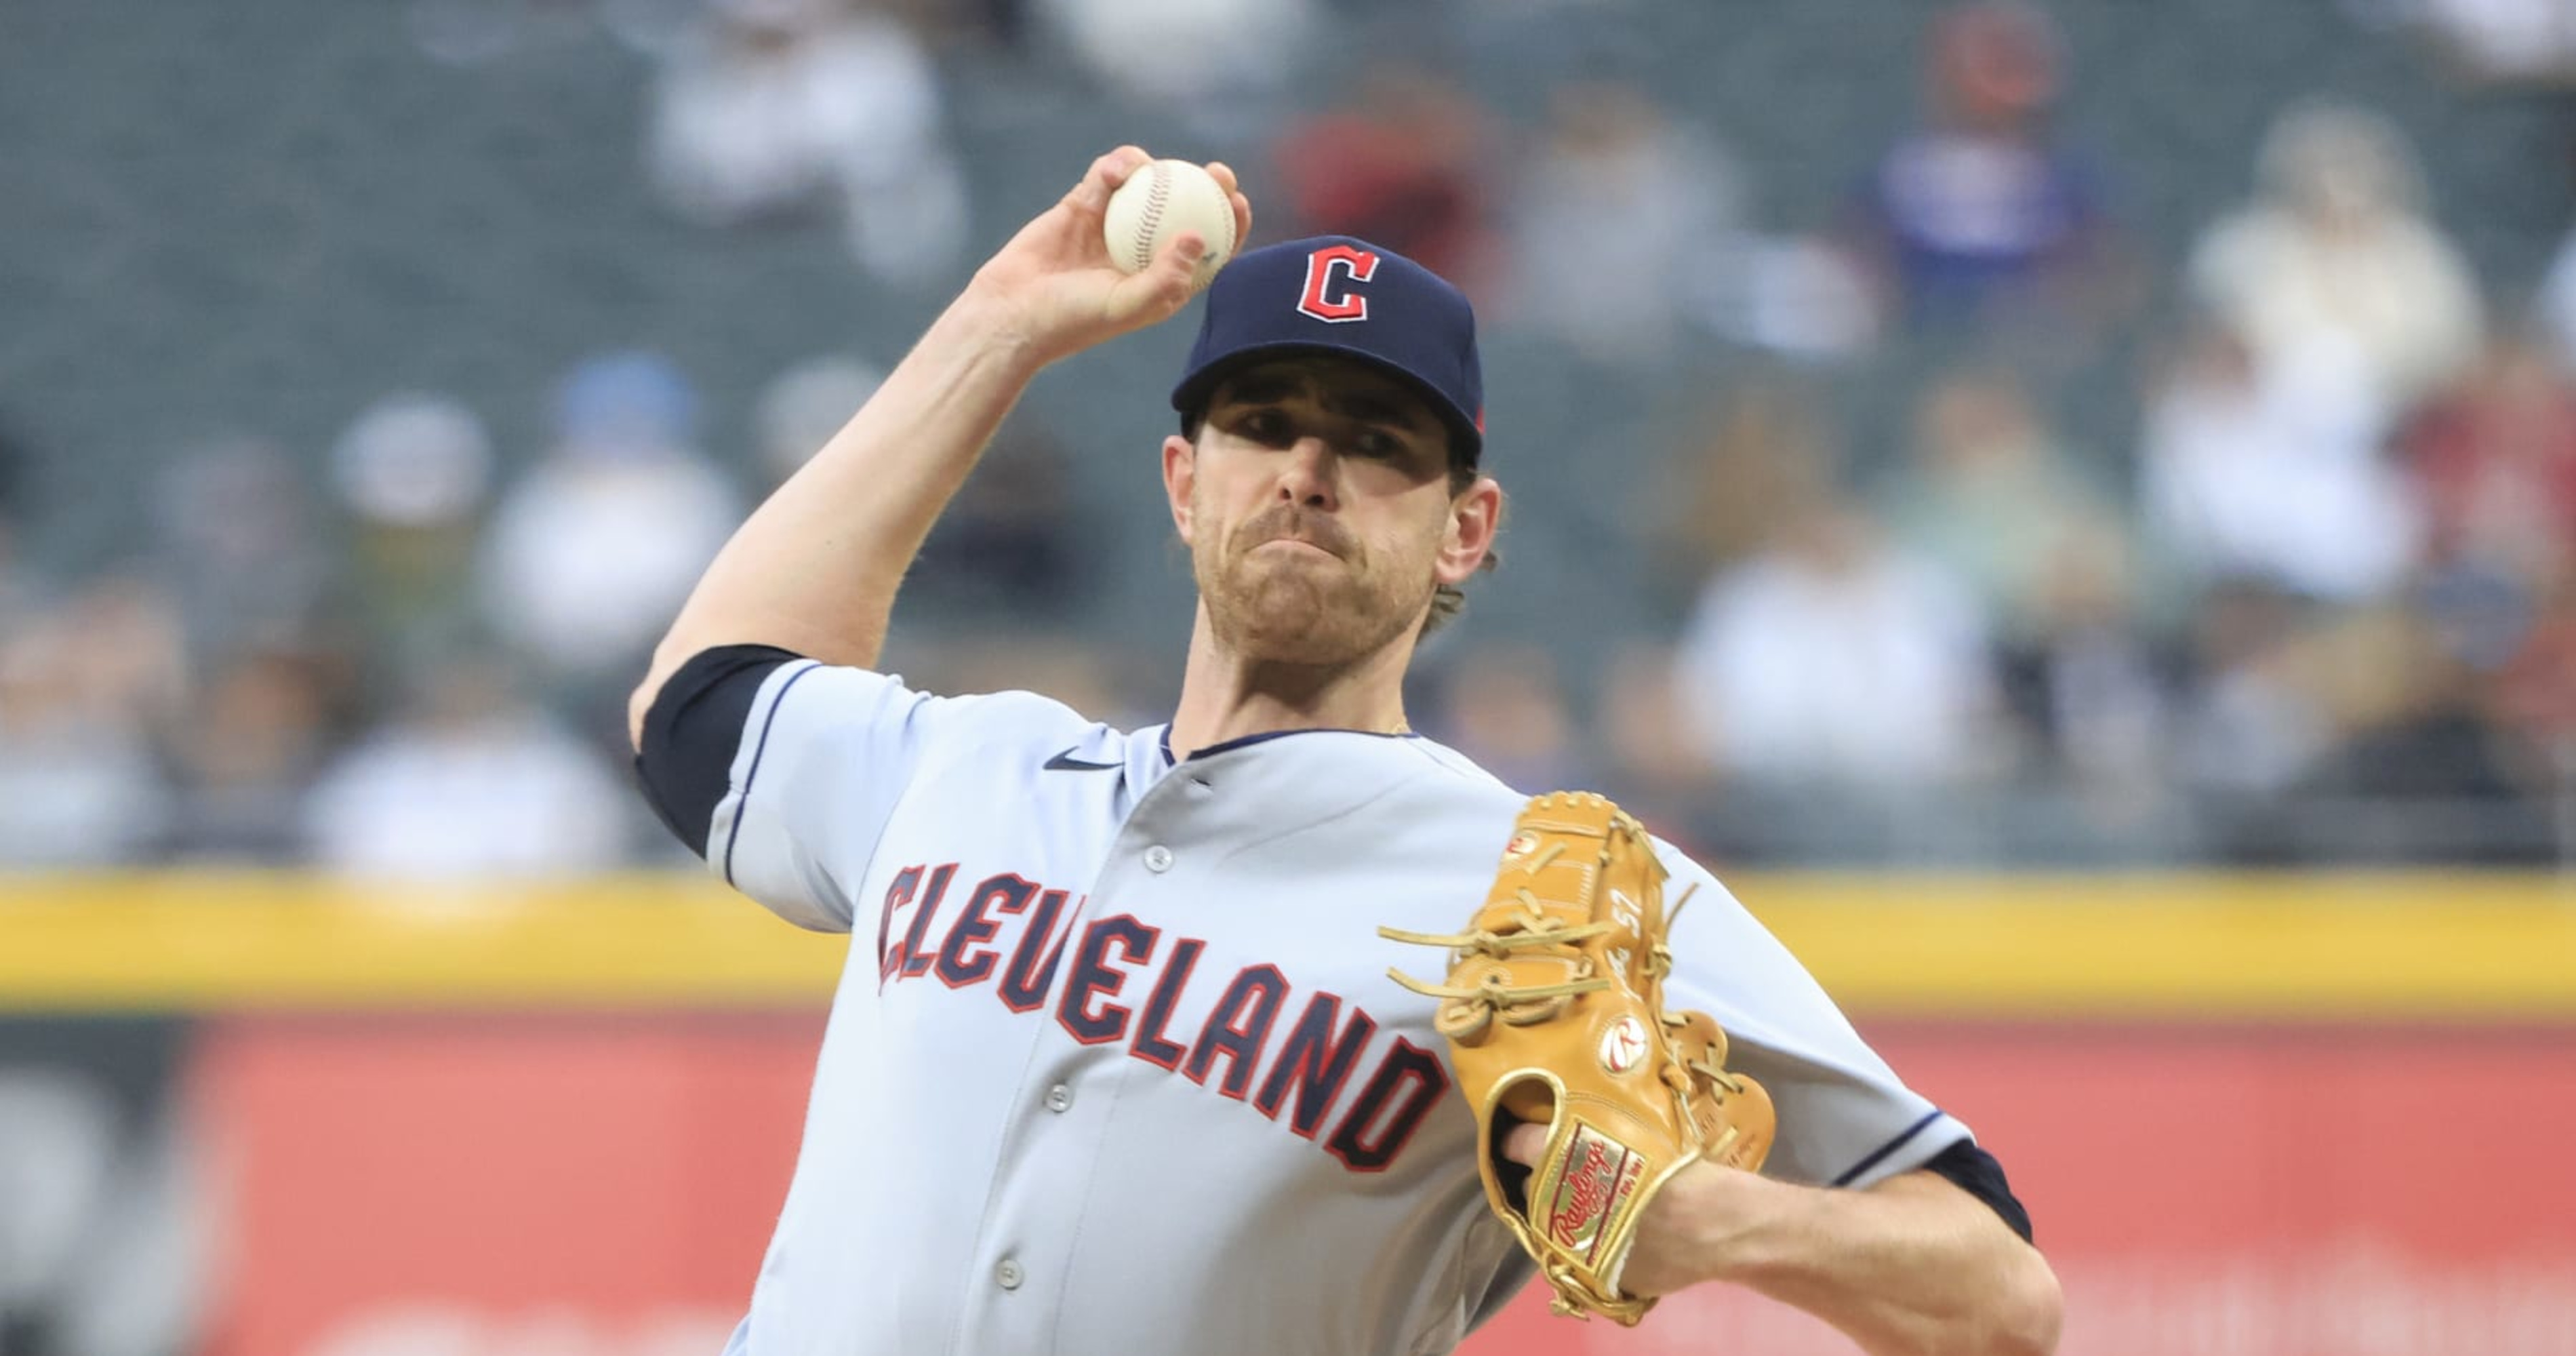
[[1553, 1007]]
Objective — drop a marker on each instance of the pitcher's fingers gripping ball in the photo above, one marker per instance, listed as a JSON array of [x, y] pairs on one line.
[[1160, 201], [1553, 1007]]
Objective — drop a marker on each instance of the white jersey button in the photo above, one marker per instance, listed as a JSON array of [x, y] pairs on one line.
[[1059, 1098], [1008, 1273], [1158, 858]]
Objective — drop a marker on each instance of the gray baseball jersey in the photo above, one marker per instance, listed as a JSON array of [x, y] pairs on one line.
[[1115, 1065]]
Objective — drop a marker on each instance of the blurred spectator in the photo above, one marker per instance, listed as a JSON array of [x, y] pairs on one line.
[[1763, 446], [2251, 725], [2336, 279], [592, 551], [2250, 471], [1233, 56], [1007, 546], [120, 642], [414, 472], [1611, 154], [81, 691], [1642, 733], [469, 779], [776, 108], [2533, 698], [2413, 747], [1992, 498], [2497, 463], [240, 552], [243, 757], [2306, 718], [1503, 705], [1796, 296], [1978, 214], [1835, 658], [2478, 616], [2083, 682], [803, 407], [2501, 41], [1404, 164]]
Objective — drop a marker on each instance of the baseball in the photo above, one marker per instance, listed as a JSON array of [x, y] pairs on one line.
[[1160, 201]]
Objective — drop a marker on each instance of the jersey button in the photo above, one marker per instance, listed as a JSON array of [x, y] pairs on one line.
[[1158, 858], [1008, 1274], [1059, 1098]]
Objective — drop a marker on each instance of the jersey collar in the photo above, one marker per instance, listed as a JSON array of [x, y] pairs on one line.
[[1164, 737]]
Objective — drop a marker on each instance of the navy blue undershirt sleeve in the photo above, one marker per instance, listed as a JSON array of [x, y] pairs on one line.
[[1974, 1171], [692, 731]]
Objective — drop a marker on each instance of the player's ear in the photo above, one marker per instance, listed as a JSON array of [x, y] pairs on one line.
[[1474, 518], [1180, 471]]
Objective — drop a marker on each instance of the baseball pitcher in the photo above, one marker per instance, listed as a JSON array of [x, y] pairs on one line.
[[1276, 1028]]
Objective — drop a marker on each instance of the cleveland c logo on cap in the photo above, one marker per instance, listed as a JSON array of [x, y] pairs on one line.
[[1333, 302]]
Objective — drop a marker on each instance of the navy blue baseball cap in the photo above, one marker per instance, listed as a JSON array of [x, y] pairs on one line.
[[1333, 294]]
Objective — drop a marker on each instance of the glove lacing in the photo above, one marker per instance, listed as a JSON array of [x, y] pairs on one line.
[[1465, 1012]]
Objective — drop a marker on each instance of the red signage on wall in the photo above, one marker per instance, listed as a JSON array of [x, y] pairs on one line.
[[2324, 1191], [495, 1187], [447, 1186]]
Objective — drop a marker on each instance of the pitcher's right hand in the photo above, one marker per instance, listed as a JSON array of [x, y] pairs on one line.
[[1053, 287]]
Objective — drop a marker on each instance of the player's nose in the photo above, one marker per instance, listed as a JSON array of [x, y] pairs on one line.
[[1306, 477]]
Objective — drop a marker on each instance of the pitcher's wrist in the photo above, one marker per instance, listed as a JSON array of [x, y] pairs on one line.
[[989, 327], [1710, 1223]]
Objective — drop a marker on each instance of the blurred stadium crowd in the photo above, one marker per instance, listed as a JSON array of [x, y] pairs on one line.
[[2081, 434]]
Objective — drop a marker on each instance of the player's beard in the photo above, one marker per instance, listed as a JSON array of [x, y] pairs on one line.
[[1292, 607]]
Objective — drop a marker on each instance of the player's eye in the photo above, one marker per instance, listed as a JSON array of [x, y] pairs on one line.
[[1268, 427], [1377, 442]]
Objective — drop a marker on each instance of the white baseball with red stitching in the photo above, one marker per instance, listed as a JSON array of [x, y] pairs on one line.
[[1160, 201]]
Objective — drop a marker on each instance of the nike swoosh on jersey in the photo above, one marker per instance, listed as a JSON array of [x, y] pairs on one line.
[[1066, 762]]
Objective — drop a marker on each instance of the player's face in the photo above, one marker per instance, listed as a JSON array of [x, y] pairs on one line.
[[1317, 507]]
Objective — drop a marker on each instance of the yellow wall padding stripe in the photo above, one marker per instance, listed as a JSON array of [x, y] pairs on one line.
[[282, 941], [2401, 945], [2410, 945]]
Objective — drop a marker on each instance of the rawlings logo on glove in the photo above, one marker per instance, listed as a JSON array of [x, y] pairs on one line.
[[1553, 1007]]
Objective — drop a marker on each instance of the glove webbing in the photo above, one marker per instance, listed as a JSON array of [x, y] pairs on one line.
[[1465, 1012]]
